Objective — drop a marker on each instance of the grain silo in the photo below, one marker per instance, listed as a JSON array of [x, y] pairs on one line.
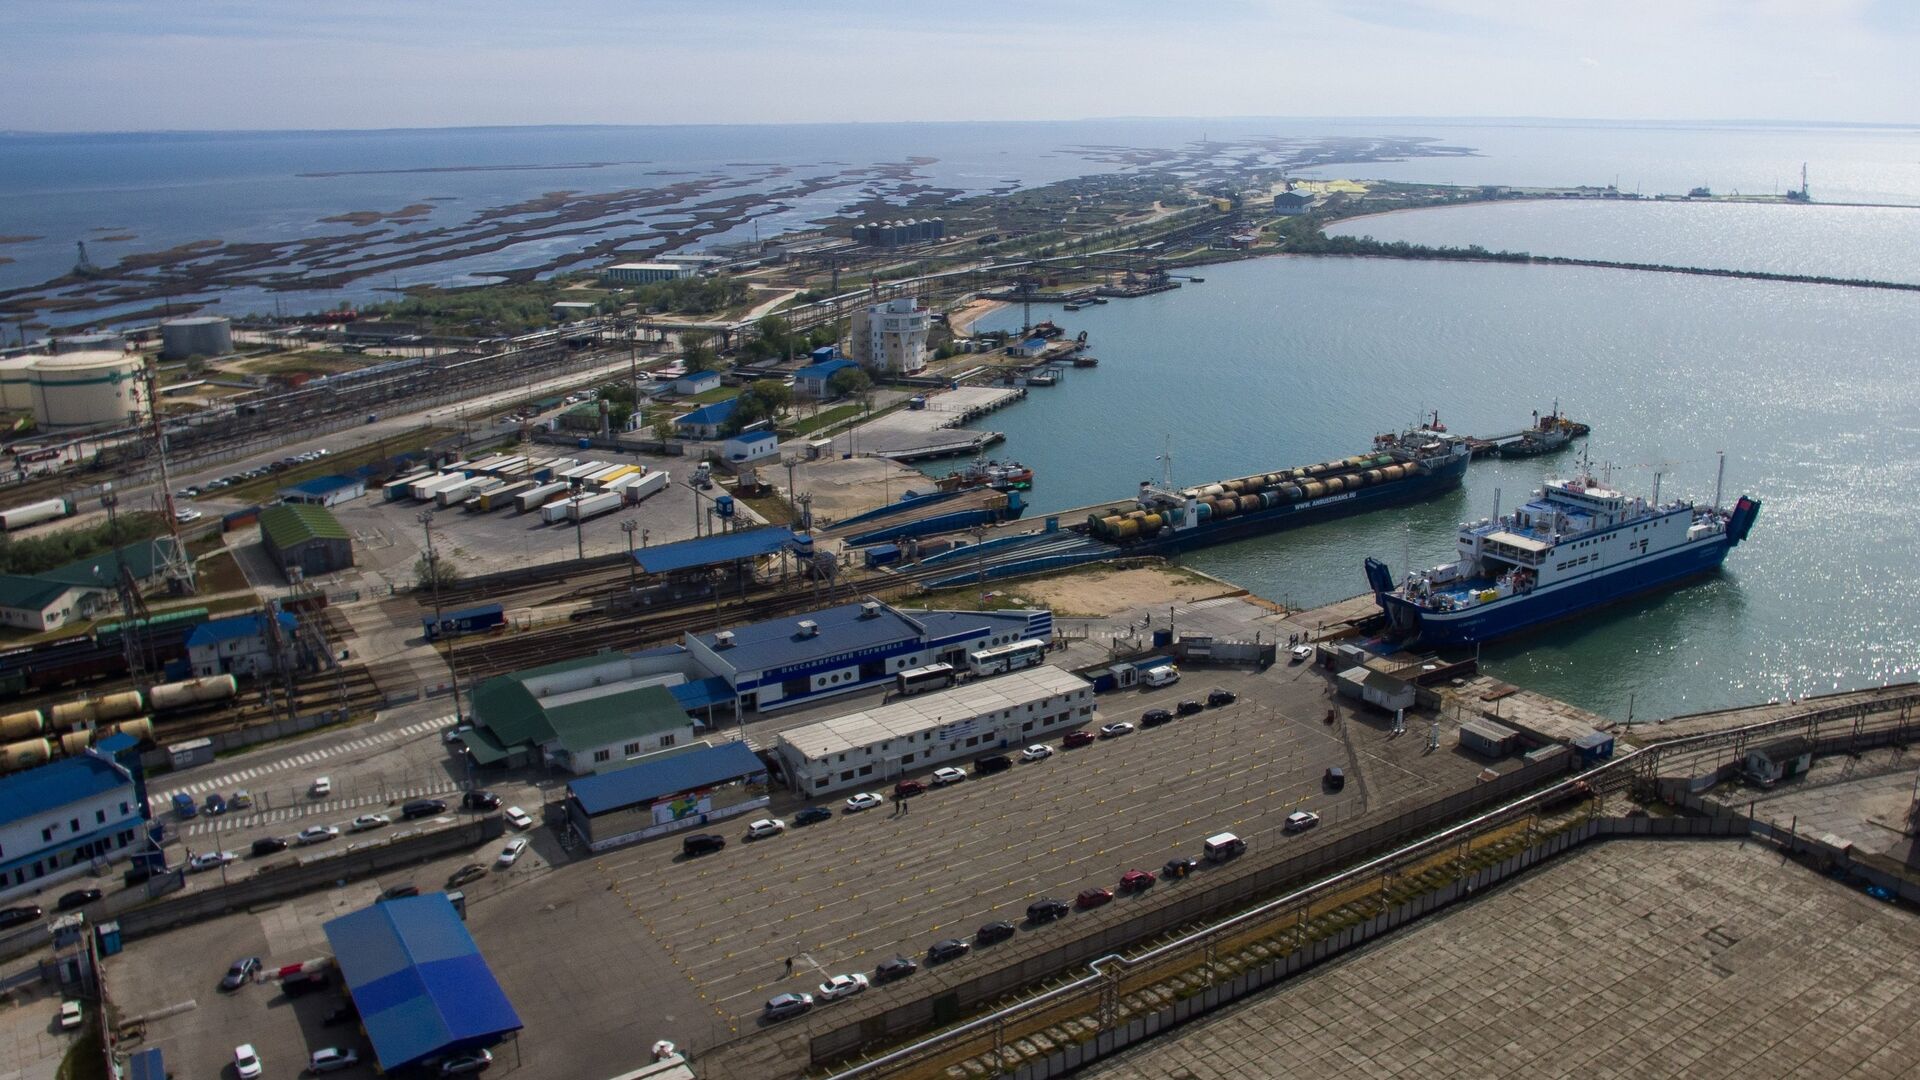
[[205, 335], [87, 388]]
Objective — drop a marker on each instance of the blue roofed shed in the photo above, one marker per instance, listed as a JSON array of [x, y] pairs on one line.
[[657, 796], [325, 490], [706, 421], [711, 551], [418, 980], [812, 380]]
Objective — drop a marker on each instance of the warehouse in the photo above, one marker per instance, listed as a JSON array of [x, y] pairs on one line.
[[58, 818], [418, 981], [878, 745], [644, 273], [305, 540], [325, 490], [588, 715], [667, 792], [782, 662]]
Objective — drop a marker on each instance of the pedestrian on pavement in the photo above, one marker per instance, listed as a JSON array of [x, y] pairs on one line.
[[789, 967]]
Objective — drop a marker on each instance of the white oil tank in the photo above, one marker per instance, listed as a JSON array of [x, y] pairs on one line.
[[87, 388], [16, 385]]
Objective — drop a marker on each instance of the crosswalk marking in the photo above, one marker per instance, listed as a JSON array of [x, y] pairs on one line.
[[232, 823], [232, 779]]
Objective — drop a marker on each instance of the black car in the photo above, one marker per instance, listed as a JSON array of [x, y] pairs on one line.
[[240, 973], [1047, 910], [342, 1014], [992, 763], [400, 892], [1221, 697], [79, 898], [702, 844], [480, 800], [947, 949], [1188, 708], [17, 916], [897, 968], [813, 815], [993, 932], [269, 845], [1179, 867], [1155, 717], [1335, 779], [420, 808]]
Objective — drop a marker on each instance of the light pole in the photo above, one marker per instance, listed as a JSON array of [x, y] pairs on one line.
[[628, 526], [433, 576]]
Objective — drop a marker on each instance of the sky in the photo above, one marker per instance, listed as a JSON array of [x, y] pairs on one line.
[[134, 65]]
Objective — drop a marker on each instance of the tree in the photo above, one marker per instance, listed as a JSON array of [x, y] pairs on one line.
[[697, 354], [775, 396], [663, 429], [425, 570], [850, 382]]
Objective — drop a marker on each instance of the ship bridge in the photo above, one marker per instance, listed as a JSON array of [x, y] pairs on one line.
[[1515, 547]]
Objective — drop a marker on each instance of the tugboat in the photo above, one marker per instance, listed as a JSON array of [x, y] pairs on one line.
[[1549, 433]]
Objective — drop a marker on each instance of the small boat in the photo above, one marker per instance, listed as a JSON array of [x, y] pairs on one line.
[[1072, 307], [1000, 476]]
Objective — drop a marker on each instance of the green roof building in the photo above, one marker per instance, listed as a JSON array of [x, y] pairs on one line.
[[586, 715], [305, 540]]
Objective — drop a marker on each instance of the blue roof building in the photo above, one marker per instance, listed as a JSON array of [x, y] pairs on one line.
[[662, 794], [57, 818], [813, 379], [238, 646], [325, 490], [708, 551], [418, 980], [706, 421]]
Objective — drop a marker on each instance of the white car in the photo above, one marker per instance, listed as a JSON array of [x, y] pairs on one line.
[[518, 818], [842, 986], [210, 860], [246, 1063], [1036, 752], [186, 514], [1300, 652], [511, 853], [322, 787], [370, 821], [316, 834], [71, 1015], [865, 800], [947, 775], [1113, 730], [765, 827], [1302, 820]]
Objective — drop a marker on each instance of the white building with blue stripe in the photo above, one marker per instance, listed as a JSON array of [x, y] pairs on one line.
[[64, 818]]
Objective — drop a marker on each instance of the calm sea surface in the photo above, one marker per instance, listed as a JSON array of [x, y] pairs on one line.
[[1281, 362]]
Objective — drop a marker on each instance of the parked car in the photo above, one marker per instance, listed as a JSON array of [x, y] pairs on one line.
[[1221, 697], [1179, 867], [1335, 778], [246, 1062], [210, 860], [841, 986], [1299, 653], [269, 845], [216, 804], [1076, 739], [240, 973], [947, 774], [907, 788], [184, 805], [518, 818], [480, 800], [813, 815], [993, 933], [511, 853], [1301, 821], [947, 949], [1155, 717], [1136, 880], [1188, 707], [897, 968], [992, 763], [71, 1015], [452, 734], [782, 1006], [468, 873], [1115, 729], [370, 821], [78, 898], [1047, 909], [865, 800], [242, 800], [399, 892], [765, 827], [471, 1062], [1036, 752], [316, 834], [340, 1014], [420, 808], [332, 1059], [1164, 675], [1093, 898], [322, 787], [702, 844]]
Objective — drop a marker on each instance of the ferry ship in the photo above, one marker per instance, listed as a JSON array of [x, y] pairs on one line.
[[1576, 545]]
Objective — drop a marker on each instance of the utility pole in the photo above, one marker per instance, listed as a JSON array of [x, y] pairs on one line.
[[628, 526], [433, 573]]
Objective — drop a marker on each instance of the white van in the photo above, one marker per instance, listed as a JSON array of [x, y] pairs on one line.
[[1224, 846], [1164, 675]]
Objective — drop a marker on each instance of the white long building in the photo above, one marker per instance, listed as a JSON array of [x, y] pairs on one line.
[[863, 749]]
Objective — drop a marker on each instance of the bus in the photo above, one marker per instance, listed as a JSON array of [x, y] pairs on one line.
[[931, 677], [1004, 658]]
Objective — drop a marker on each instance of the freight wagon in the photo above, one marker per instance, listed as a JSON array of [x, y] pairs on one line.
[[469, 621], [34, 513]]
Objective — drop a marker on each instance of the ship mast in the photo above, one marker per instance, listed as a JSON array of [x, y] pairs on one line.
[[1718, 478]]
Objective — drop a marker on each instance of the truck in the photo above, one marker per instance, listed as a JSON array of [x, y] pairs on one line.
[[615, 474], [485, 487], [537, 497], [395, 490], [34, 513], [646, 485], [592, 506], [455, 493], [558, 510], [504, 496], [581, 472], [425, 490]]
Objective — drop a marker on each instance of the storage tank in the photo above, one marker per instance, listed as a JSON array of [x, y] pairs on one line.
[[141, 728], [203, 335], [16, 387], [21, 725], [119, 706], [25, 754], [87, 388], [201, 691]]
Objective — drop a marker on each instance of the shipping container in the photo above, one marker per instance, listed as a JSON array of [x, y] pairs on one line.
[[424, 489], [455, 494], [558, 510], [503, 496], [646, 485], [592, 506], [581, 472], [395, 490], [34, 513], [535, 498], [615, 474]]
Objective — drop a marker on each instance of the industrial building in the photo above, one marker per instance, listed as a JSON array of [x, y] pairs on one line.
[[325, 490], [418, 981], [875, 745], [567, 311], [748, 447], [783, 662], [35, 603], [96, 387], [588, 715], [891, 337], [665, 793], [305, 540], [240, 645], [706, 421], [1292, 202], [57, 819], [892, 234], [645, 273], [815, 380], [696, 382], [206, 335]]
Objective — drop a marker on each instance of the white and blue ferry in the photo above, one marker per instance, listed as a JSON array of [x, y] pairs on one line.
[[1575, 545]]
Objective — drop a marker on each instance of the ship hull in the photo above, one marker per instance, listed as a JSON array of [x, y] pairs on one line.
[[1442, 479], [1503, 618]]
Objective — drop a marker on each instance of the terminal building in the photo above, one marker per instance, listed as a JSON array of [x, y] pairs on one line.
[[589, 715], [68, 817], [666, 793], [877, 745]]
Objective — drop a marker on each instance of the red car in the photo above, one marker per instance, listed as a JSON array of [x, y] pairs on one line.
[[1093, 898], [1135, 880], [1078, 738], [908, 787]]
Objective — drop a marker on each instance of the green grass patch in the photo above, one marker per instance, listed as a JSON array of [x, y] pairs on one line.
[[218, 573], [84, 1060], [826, 418], [708, 397]]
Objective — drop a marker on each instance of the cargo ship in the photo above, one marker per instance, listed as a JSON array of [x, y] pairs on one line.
[[1576, 545], [1404, 467]]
